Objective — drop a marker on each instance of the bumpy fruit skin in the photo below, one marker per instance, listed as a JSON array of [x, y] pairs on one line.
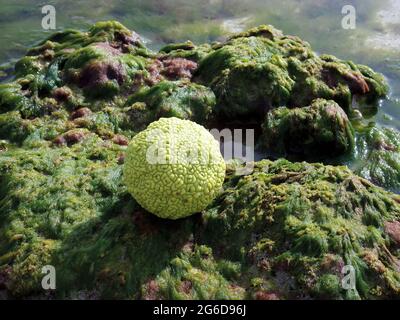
[[174, 168]]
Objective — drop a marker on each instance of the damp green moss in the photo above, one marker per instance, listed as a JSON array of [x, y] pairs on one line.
[[304, 222], [179, 99], [262, 68], [186, 50], [319, 131], [283, 231]]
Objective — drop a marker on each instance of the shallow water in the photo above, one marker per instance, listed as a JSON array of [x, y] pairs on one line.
[[375, 41]]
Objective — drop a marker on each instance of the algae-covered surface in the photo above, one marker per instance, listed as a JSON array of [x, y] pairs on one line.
[[73, 100]]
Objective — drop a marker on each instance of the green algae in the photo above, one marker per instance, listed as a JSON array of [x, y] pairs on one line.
[[260, 69], [324, 129], [305, 222], [195, 274], [187, 50], [378, 157], [45, 193], [284, 231], [118, 252], [173, 99]]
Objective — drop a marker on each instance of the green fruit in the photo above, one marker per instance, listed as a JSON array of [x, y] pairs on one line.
[[174, 168]]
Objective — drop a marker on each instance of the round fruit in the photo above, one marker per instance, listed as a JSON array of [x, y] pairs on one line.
[[174, 168]]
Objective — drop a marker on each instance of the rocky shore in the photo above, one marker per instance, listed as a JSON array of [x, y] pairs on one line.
[[284, 231]]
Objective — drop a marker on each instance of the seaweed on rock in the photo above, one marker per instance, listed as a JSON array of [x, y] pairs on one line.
[[261, 69], [305, 222], [179, 99], [283, 231], [319, 131]]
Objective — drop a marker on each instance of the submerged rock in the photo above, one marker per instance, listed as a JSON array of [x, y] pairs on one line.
[[179, 99], [378, 157]]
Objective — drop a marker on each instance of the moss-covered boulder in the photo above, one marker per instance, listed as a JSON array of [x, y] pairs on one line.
[[186, 50], [196, 274], [261, 69], [294, 226], [99, 61], [104, 80], [181, 99], [45, 193], [321, 130], [283, 231], [304, 223]]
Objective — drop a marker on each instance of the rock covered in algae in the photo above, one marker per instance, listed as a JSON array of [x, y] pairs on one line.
[[305, 223], [320, 130], [125, 86], [260, 69], [104, 80], [171, 99], [284, 231], [187, 50]]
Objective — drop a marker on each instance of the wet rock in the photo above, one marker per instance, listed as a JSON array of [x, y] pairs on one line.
[[154, 73], [101, 72], [178, 68], [357, 83], [171, 99], [110, 50], [393, 230], [115, 32], [171, 69], [315, 132], [260, 69], [313, 228]]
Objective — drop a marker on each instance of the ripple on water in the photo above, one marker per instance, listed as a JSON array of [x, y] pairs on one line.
[[389, 20]]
